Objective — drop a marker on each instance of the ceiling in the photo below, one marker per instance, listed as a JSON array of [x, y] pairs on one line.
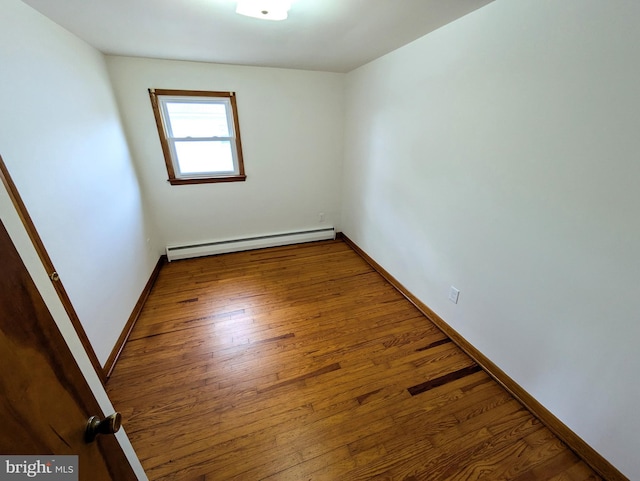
[[328, 35]]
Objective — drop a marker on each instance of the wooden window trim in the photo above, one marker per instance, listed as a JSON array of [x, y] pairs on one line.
[[166, 151]]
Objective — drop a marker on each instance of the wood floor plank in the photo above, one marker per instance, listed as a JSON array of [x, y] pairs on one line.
[[299, 363]]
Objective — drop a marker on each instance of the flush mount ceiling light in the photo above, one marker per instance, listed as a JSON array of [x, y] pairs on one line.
[[265, 9]]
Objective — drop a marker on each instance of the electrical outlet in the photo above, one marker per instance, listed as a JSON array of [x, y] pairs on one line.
[[321, 217], [454, 294]]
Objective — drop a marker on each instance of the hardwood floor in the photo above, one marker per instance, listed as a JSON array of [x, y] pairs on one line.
[[302, 363]]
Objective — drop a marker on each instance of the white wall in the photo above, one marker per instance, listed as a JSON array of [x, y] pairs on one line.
[[62, 141], [499, 154], [291, 125]]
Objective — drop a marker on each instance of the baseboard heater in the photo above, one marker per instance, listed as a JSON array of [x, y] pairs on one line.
[[199, 249]]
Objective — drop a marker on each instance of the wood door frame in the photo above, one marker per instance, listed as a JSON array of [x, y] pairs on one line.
[[30, 228], [14, 224]]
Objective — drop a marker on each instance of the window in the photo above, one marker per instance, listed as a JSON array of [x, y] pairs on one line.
[[199, 134]]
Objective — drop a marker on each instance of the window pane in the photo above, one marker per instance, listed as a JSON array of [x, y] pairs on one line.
[[201, 157], [190, 119]]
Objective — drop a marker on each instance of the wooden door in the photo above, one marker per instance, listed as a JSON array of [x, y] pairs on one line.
[[45, 401]]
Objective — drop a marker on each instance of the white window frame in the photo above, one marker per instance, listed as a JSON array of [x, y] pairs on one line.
[[159, 100]]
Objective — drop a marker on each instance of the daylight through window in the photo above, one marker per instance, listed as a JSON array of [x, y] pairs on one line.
[[199, 134]]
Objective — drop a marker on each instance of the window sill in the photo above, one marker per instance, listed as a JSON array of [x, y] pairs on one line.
[[208, 180]]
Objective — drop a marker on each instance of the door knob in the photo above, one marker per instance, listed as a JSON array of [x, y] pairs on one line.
[[109, 425]]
